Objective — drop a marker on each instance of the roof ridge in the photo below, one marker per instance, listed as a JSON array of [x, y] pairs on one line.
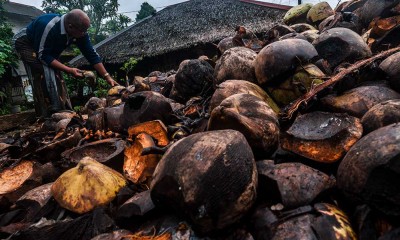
[[268, 4], [15, 3], [123, 30]]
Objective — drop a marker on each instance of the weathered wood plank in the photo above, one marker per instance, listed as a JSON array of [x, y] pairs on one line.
[[11, 121]]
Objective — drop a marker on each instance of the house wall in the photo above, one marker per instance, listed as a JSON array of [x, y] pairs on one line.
[[16, 83]]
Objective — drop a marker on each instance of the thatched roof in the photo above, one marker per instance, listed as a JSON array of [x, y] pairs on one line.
[[184, 25], [20, 15]]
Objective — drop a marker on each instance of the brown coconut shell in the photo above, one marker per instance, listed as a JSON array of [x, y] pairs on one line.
[[225, 44], [39, 196], [231, 87], [380, 115], [279, 59], [321, 136], [369, 172], [52, 151], [56, 117], [302, 27], [320, 221], [145, 106], [392, 73], [15, 181], [35, 200], [357, 101], [209, 177], [81, 228], [236, 63], [109, 152], [339, 45], [191, 79], [252, 117], [112, 118], [138, 205], [292, 184], [96, 120]]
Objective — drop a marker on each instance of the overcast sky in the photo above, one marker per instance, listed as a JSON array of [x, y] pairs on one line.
[[131, 7]]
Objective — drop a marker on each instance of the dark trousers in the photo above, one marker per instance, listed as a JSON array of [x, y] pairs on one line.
[[49, 89]]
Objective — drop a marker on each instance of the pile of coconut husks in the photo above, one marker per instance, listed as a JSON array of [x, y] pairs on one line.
[[289, 135]]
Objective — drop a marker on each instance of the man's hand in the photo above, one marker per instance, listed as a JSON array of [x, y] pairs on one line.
[[111, 81], [76, 72]]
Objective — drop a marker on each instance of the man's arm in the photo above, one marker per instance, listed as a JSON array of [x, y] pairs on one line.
[[73, 71], [91, 55], [104, 74]]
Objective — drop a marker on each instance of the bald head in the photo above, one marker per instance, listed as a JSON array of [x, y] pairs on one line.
[[78, 18]]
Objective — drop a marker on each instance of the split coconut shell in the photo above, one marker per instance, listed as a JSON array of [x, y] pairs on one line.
[[52, 151], [88, 185], [323, 137], [209, 177], [138, 168], [109, 152], [156, 129], [320, 221], [15, 181], [292, 184]]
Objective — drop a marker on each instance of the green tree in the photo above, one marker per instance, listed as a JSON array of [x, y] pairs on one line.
[[7, 57], [116, 24], [145, 10], [97, 10]]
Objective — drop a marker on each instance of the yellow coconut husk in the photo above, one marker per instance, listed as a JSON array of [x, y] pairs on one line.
[[305, 78], [297, 14], [88, 185], [116, 90]]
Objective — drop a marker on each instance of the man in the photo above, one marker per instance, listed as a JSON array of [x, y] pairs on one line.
[[40, 44]]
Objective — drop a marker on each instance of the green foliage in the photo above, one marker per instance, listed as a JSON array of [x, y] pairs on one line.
[[74, 84], [145, 10], [76, 51], [5, 52], [116, 24], [77, 108], [99, 11], [3, 95], [130, 65], [101, 88], [5, 109], [7, 57]]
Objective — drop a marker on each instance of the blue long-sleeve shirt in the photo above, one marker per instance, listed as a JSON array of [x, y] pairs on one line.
[[49, 38]]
